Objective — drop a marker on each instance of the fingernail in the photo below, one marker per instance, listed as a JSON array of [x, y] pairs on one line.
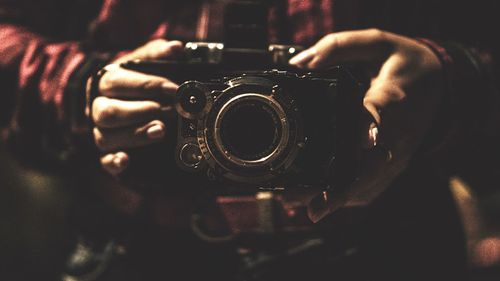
[[302, 57], [373, 135], [155, 132]]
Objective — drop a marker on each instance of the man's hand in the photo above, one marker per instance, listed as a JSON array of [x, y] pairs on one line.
[[402, 99], [127, 112]]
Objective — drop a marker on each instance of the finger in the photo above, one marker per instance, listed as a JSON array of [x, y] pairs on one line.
[[304, 57], [369, 127], [369, 45], [378, 169], [324, 204], [112, 140], [115, 163], [156, 49], [114, 113], [327, 202], [386, 102], [128, 84]]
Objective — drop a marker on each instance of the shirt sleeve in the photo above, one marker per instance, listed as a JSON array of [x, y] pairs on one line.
[[43, 78], [42, 67], [466, 129]]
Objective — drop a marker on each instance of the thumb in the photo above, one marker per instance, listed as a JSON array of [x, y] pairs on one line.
[[334, 198], [153, 50]]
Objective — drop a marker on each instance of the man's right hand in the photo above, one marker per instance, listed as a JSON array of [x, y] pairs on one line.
[[127, 112]]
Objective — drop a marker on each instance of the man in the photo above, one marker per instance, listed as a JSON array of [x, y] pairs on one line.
[[408, 102]]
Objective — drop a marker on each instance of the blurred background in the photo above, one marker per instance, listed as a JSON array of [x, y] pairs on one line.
[[36, 236], [34, 224]]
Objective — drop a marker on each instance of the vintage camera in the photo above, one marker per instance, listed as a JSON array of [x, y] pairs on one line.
[[248, 119]]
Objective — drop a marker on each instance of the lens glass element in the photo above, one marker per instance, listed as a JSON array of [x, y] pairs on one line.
[[250, 130]]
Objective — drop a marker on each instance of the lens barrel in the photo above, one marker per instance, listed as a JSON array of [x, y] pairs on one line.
[[250, 129]]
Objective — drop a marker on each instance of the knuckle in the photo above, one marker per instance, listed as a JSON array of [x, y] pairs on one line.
[[106, 116], [151, 86], [101, 142], [367, 102], [107, 82], [381, 39], [157, 123], [332, 37], [96, 107], [156, 43], [106, 159], [334, 41], [377, 35], [155, 47], [375, 32], [328, 42]]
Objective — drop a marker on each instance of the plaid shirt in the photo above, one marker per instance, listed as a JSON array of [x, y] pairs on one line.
[[43, 43]]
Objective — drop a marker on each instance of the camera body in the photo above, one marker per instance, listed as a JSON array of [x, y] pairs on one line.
[[248, 119]]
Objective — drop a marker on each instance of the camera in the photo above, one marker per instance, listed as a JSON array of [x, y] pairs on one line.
[[248, 119]]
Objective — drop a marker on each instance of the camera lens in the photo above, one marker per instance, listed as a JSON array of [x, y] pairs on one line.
[[250, 130]]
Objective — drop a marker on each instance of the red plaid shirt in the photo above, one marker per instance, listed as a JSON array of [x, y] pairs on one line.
[[44, 42]]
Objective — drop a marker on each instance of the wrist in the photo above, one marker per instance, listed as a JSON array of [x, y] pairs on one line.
[[465, 112], [441, 131]]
